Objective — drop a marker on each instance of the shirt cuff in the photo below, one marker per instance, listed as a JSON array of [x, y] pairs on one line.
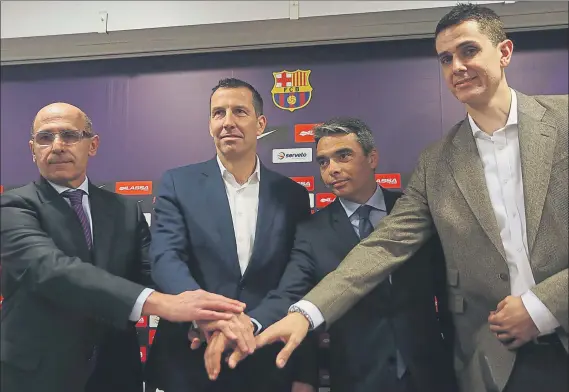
[[313, 312], [136, 312], [543, 319], [258, 326]]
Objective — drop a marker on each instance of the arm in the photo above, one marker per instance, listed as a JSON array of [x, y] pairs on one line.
[[31, 258], [169, 247], [397, 237]]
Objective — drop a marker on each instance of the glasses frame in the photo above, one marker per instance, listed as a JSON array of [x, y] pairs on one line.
[[82, 135]]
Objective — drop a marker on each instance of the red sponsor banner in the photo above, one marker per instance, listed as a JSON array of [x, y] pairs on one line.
[[151, 333], [323, 199], [307, 182], [1, 189], [143, 322], [303, 133], [388, 180], [142, 354], [134, 188]]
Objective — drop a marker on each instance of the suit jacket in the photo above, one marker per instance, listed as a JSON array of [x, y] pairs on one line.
[[61, 301], [361, 341], [194, 247], [447, 194]]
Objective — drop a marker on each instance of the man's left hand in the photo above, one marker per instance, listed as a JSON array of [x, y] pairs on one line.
[[512, 324]]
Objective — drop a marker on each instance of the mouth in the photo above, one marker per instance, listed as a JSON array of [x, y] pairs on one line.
[[59, 162], [464, 81], [338, 183], [231, 137]]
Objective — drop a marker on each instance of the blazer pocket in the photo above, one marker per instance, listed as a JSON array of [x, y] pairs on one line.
[[452, 277], [25, 358], [456, 304]]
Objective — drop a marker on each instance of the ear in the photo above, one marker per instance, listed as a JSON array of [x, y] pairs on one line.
[[261, 124], [94, 146], [506, 48], [31, 144], [373, 159]]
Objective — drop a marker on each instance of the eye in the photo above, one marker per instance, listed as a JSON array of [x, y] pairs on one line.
[[217, 113], [445, 60], [470, 51], [322, 163], [344, 156]]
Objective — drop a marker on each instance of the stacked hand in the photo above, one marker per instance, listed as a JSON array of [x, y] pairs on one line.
[[512, 324]]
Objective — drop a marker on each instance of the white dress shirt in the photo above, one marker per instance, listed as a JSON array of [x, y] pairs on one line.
[[500, 155], [136, 312], [244, 205]]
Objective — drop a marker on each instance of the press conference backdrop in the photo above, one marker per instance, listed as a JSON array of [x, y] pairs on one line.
[[152, 113]]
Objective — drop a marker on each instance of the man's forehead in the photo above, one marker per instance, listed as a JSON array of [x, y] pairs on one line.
[[456, 36]]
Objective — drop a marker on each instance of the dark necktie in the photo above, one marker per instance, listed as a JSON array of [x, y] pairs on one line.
[[365, 227], [76, 199]]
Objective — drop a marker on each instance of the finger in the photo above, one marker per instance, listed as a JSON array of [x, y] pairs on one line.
[[221, 299], [495, 319], [287, 351], [227, 330], [213, 358], [251, 343], [502, 304], [236, 357], [210, 315], [497, 328], [269, 336], [241, 340], [515, 344], [196, 343]]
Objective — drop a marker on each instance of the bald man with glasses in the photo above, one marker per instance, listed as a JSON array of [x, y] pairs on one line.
[[75, 272]]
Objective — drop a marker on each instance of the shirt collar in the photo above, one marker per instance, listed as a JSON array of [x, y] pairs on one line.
[[377, 201], [255, 175], [512, 117], [60, 189]]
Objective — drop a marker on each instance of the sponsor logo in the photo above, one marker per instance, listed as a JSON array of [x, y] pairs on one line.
[[311, 198], [292, 89], [153, 321], [388, 180], [307, 182], [304, 133], [1, 189], [323, 199], [292, 155], [151, 334], [266, 134], [134, 188], [143, 354], [143, 322]]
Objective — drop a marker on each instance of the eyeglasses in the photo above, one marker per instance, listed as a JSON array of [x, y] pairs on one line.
[[68, 137]]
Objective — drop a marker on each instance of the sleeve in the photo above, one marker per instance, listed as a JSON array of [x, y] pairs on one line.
[[31, 258], [552, 293], [170, 243]]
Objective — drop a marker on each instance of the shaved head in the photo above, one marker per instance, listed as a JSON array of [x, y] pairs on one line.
[[59, 110]]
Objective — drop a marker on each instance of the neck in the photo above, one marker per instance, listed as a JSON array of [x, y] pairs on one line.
[[73, 184], [365, 194], [241, 168], [493, 115]]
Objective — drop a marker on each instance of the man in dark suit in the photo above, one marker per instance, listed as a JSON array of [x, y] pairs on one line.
[[74, 271], [393, 339], [494, 190], [226, 225]]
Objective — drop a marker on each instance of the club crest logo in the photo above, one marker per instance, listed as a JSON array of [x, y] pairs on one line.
[[292, 89]]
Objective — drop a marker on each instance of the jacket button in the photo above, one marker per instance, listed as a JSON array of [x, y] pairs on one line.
[[504, 277]]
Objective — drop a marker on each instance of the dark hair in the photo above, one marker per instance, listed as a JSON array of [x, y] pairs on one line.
[[346, 125], [489, 23], [236, 83]]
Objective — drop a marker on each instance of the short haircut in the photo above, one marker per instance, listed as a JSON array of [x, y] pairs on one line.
[[345, 126], [236, 83], [489, 23]]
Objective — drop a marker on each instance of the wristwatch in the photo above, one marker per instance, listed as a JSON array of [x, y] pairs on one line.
[[298, 309]]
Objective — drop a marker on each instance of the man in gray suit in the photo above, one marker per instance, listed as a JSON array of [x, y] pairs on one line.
[[495, 191]]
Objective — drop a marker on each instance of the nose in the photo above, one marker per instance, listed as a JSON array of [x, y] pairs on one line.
[[458, 66], [333, 167], [57, 144], [228, 121]]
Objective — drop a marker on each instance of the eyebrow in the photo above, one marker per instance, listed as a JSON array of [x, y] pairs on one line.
[[337, 152], [459, 46]]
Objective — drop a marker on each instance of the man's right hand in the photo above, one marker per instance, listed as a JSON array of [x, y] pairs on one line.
[[194, 305], [238, 329], [291, 330]]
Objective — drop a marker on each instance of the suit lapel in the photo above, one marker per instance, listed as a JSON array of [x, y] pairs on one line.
[[216, 216], [268, 203], [102, 215], [537, 144], [346, 237], [62, 215], [468, 173]]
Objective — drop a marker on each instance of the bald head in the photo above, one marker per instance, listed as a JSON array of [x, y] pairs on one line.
[[62, 111]]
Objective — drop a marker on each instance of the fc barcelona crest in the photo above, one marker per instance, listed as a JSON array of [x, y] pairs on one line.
[[292, 89]]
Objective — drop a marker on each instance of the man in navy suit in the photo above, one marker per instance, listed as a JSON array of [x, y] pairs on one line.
[[226, 226]]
